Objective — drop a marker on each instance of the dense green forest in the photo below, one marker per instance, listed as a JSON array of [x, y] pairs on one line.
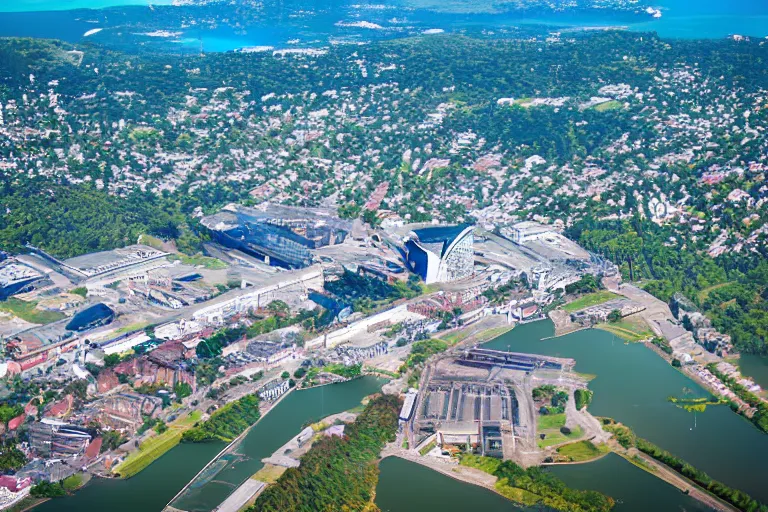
[[226, 423], [337, 474], [71, 220], [732, 289]]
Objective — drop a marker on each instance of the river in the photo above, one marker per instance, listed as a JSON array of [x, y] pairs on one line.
[[153, 488], [756, 367], [632, 384], [405, 486]]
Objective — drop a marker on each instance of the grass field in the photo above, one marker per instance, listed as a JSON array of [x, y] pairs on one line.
[[703, 294], [428, 447], [269, 473], [132, 327], [551, 421], [628, 329], [549, 425], [608, 105], [199, 260], [76, 481], [151, 241], [157, 445], [554, 437], [582, 451], [28, 311], [588, 300]]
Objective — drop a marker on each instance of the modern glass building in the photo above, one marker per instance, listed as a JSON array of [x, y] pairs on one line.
[[281, 235], [441, 253]]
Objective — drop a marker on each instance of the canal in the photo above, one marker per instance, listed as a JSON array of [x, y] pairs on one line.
[[631, 384], [153, 488]]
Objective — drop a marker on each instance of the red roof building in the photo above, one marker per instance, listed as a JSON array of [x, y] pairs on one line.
[[17, 421], [93, 449]]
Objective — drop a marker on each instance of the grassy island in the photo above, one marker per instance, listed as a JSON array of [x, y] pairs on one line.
[[226, 423], [337, 473], [536, 486]]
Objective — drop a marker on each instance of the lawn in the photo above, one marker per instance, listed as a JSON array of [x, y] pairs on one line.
[[74, 482], [551, 421], [608, 105], [628, 329], [156, 446], [269, 473], [428, 448], [588, 300], [151, 241], [582, 451], [549, 425], [28, 311], [199, 260], [132, 327], [703, 294], [554, 437]]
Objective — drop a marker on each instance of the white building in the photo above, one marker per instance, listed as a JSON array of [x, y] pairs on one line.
[[528, 231]]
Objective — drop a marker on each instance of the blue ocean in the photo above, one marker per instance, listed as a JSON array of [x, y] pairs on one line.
[[162, 25]]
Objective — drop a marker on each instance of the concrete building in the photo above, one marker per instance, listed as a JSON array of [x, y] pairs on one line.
[[284, 286], [105, 262], [441, 253], [523, 232]]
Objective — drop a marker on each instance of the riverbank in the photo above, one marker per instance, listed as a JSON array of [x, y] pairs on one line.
[[677, 472], [263, 411], [156, 446]]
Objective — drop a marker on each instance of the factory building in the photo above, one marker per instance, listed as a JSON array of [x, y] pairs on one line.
[[280, 235], [441, 253]]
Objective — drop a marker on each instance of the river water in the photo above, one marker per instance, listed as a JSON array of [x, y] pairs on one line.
[[408, 487], [153, 488], [755, 366], [631, 384]]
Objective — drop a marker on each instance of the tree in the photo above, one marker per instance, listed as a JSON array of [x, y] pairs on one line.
[[44, 489], [111, 360], [614, 316], [285, 375]]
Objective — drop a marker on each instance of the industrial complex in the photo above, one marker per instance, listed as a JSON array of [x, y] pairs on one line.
[[482, 399]]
